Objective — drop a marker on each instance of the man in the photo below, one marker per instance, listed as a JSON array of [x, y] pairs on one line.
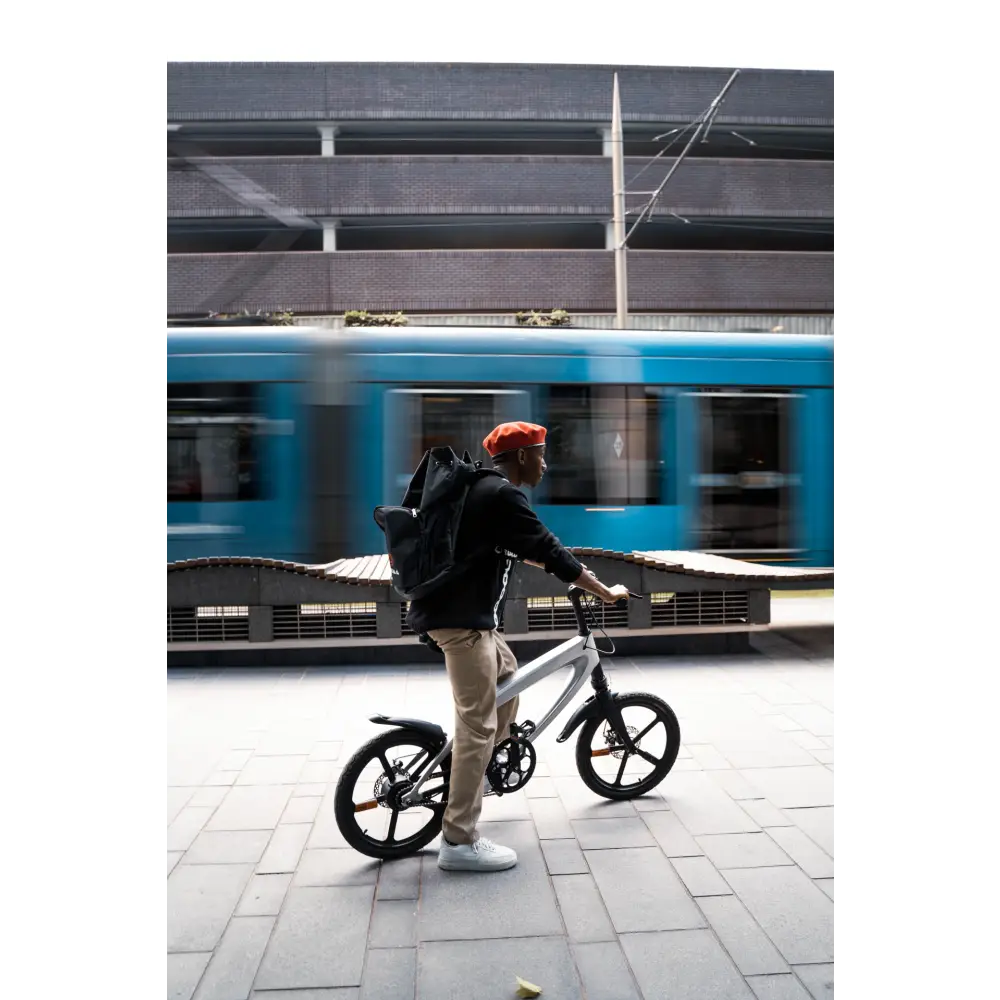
[[498, 528]]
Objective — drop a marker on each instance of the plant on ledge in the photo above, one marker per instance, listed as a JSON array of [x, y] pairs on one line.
[[259, 316], [359, 317], [558, 317]]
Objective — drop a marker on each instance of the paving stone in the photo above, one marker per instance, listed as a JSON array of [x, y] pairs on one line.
[[285, 849], [735, 786], [235, 760], [803, 851], [627, 831], [394, 924], [764, 813], [292, 742], [480, 970], [807, 740], [390, 974], [253, 807], [222, 779], [703, 807], [791, 787], [826, 884], [821, 825], [271, 771], [741, 936], [209, 795], [177, 799], [319, 939], [604, 971], [311, 789], [670, 834], [338, 993], [325, 832], [173, 857], [263, 896], [768, 748], [231, 972], [325, 866], [518, 902], [653, 802], [641, 890], [540, 788], [824, 755], [817, 719], [785, 987], [701, 877], [742, 850], [581, 803], [684, 965], [183, 972], [550, 818], [505, 808], [399, 879], [319, 770], [818, 980], [185, 828], [582, 908], [793, 913], [227, 847], [709, 757], [301, 809], [327, 750], [784, 723], [200, 901], [564, 857]]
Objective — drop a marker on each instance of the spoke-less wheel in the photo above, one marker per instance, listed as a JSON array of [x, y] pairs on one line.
[[614, 772], [368, 802]]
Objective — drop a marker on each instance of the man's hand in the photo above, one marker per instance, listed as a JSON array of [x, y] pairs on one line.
[[616, 593]]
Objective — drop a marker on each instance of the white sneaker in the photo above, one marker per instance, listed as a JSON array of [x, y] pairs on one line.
[[482, 856]]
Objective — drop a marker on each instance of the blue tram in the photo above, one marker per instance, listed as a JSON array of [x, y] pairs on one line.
[[281, 441]]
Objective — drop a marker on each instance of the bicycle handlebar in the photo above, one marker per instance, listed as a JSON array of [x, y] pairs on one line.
[[575, 597]]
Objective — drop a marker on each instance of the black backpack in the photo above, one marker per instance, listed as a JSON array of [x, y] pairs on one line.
[[420, 534]]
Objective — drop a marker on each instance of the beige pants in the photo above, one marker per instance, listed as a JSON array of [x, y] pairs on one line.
[[476, 660]]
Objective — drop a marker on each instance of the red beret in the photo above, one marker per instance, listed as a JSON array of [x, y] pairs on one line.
[[509, 437]]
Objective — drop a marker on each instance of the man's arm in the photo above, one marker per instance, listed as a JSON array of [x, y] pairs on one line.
[[518, 529]]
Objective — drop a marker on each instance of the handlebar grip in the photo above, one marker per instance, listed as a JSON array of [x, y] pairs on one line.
[[622, 602]]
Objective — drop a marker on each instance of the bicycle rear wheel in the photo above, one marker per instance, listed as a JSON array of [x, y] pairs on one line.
[[367, 803]]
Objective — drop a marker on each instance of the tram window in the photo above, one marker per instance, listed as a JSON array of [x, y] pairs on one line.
[[460, 418], [213, 442], [603, 445]]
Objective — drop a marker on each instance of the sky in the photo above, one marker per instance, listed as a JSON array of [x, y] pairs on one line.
[[771, 34]]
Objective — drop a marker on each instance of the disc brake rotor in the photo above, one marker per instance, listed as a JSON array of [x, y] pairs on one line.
[[611, 739]]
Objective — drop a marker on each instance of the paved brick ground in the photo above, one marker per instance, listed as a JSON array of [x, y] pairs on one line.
[[719, 885]]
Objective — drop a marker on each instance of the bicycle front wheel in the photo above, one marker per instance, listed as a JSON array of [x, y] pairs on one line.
[[614, 772]]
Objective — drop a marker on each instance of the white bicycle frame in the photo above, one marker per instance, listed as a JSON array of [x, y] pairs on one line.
[[580, 653]]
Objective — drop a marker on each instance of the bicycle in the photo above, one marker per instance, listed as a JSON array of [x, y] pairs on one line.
[[414, 786]]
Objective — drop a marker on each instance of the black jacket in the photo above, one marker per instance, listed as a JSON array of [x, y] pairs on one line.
[[498, 527]]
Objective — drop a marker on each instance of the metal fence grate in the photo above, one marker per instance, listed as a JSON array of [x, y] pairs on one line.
[[548, 614], [208, 624], [710, 607], [325, 621], [405, 629]]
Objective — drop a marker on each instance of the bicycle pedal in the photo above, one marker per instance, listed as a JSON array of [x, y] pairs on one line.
[[522, 730]]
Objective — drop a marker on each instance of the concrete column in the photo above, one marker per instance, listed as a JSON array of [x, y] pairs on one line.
[[327, 134], [608, 146], [330, 227], [388, 624]]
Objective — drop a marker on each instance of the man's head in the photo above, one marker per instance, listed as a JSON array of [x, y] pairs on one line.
[[518, 451]]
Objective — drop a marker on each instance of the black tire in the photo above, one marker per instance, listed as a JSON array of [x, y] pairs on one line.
[[344, 806], [585, 741]]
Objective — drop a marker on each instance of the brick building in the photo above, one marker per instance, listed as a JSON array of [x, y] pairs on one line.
[[459, 191]]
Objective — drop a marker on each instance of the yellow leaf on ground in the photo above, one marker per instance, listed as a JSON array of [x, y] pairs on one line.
[[526, 989]]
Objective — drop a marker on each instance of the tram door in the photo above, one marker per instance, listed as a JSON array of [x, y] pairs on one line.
[[745, 480]]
